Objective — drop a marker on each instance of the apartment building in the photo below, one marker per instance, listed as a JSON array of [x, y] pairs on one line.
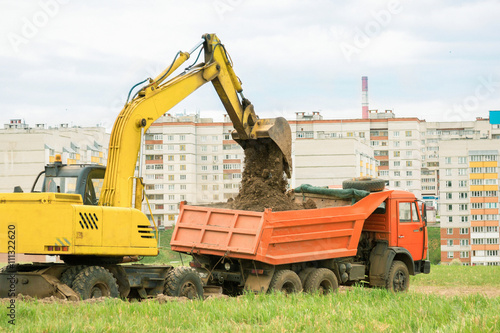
[[26, 150], [469, 201]]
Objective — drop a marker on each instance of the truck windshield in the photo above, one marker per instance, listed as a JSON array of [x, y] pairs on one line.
[[59, 184]]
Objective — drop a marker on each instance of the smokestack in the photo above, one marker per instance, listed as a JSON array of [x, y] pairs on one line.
[[364, 97]]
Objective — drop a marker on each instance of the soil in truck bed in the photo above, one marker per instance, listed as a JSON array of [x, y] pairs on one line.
[[264, 184]]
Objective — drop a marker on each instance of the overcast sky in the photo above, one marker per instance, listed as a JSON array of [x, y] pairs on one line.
[[75, 61]]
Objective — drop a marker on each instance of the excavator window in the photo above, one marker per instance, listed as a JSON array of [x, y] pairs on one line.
[[93, 188], [59, 184]]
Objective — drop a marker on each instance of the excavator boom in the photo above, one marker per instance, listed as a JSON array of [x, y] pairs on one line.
[[159, 96]]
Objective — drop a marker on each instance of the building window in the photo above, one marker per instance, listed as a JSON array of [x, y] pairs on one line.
[[448, 183], [183, 167], [449, 195], [397, 173], [464, 242], [463, 207], [450, 255], [464, 254], [396, 153], [182, 147], [447, 160], [462, 183], [170, 177], [450, 208], [409, 163], [397, 163], [182, 157], [204, 187], [408, 133], [464, 231], [462, 172], [171, 187], [463, 195], [450, 242], [448, 172], [409, 173], [409, 183], [182, 138], [170, 157], [462, 160], [464, 219], [449, 231], [395, 133], [450, 219]]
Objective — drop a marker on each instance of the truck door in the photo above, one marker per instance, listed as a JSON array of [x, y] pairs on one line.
[[410, 229]]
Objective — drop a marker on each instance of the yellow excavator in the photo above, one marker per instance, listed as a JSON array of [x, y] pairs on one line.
[[93, 229]]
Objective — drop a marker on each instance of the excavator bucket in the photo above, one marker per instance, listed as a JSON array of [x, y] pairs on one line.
[[278, 130]]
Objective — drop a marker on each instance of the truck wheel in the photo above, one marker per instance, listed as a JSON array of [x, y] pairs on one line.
[[285, 281], [322, 280], [399, 277], [364, 183], [70, 274], [304, 274], [184, 282], [95, 281]]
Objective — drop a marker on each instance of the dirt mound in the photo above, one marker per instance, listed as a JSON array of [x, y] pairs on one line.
[[264, 183]]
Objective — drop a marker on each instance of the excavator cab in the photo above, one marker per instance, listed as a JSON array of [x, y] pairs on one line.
[[86, 180]]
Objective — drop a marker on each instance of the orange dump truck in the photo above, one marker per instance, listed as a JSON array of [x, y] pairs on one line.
[[380, 239]]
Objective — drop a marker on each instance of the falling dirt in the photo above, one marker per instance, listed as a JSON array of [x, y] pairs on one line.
[[264, 184]]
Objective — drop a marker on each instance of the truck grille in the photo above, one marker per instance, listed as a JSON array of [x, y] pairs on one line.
[[88, 221]]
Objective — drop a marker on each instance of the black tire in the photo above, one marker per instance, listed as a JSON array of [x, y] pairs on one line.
[[70, 274], [365, 183], [399, 277], [95, 281], [304, 274], [285, 281], [321, 280], [184, 282]]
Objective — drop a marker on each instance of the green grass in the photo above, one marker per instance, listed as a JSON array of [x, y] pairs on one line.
[[357, 309], [434, 241], [459, 276]]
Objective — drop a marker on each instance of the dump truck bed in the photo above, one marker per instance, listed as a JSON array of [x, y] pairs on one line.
[[274, 237]]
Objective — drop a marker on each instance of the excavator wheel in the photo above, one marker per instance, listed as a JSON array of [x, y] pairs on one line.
[[184, 282], [94, 282], [70, 274]]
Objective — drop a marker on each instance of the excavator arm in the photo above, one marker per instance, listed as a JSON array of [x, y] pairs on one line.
[[159, 96]]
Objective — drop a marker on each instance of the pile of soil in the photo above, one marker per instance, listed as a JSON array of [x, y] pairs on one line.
[[264, 184]]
